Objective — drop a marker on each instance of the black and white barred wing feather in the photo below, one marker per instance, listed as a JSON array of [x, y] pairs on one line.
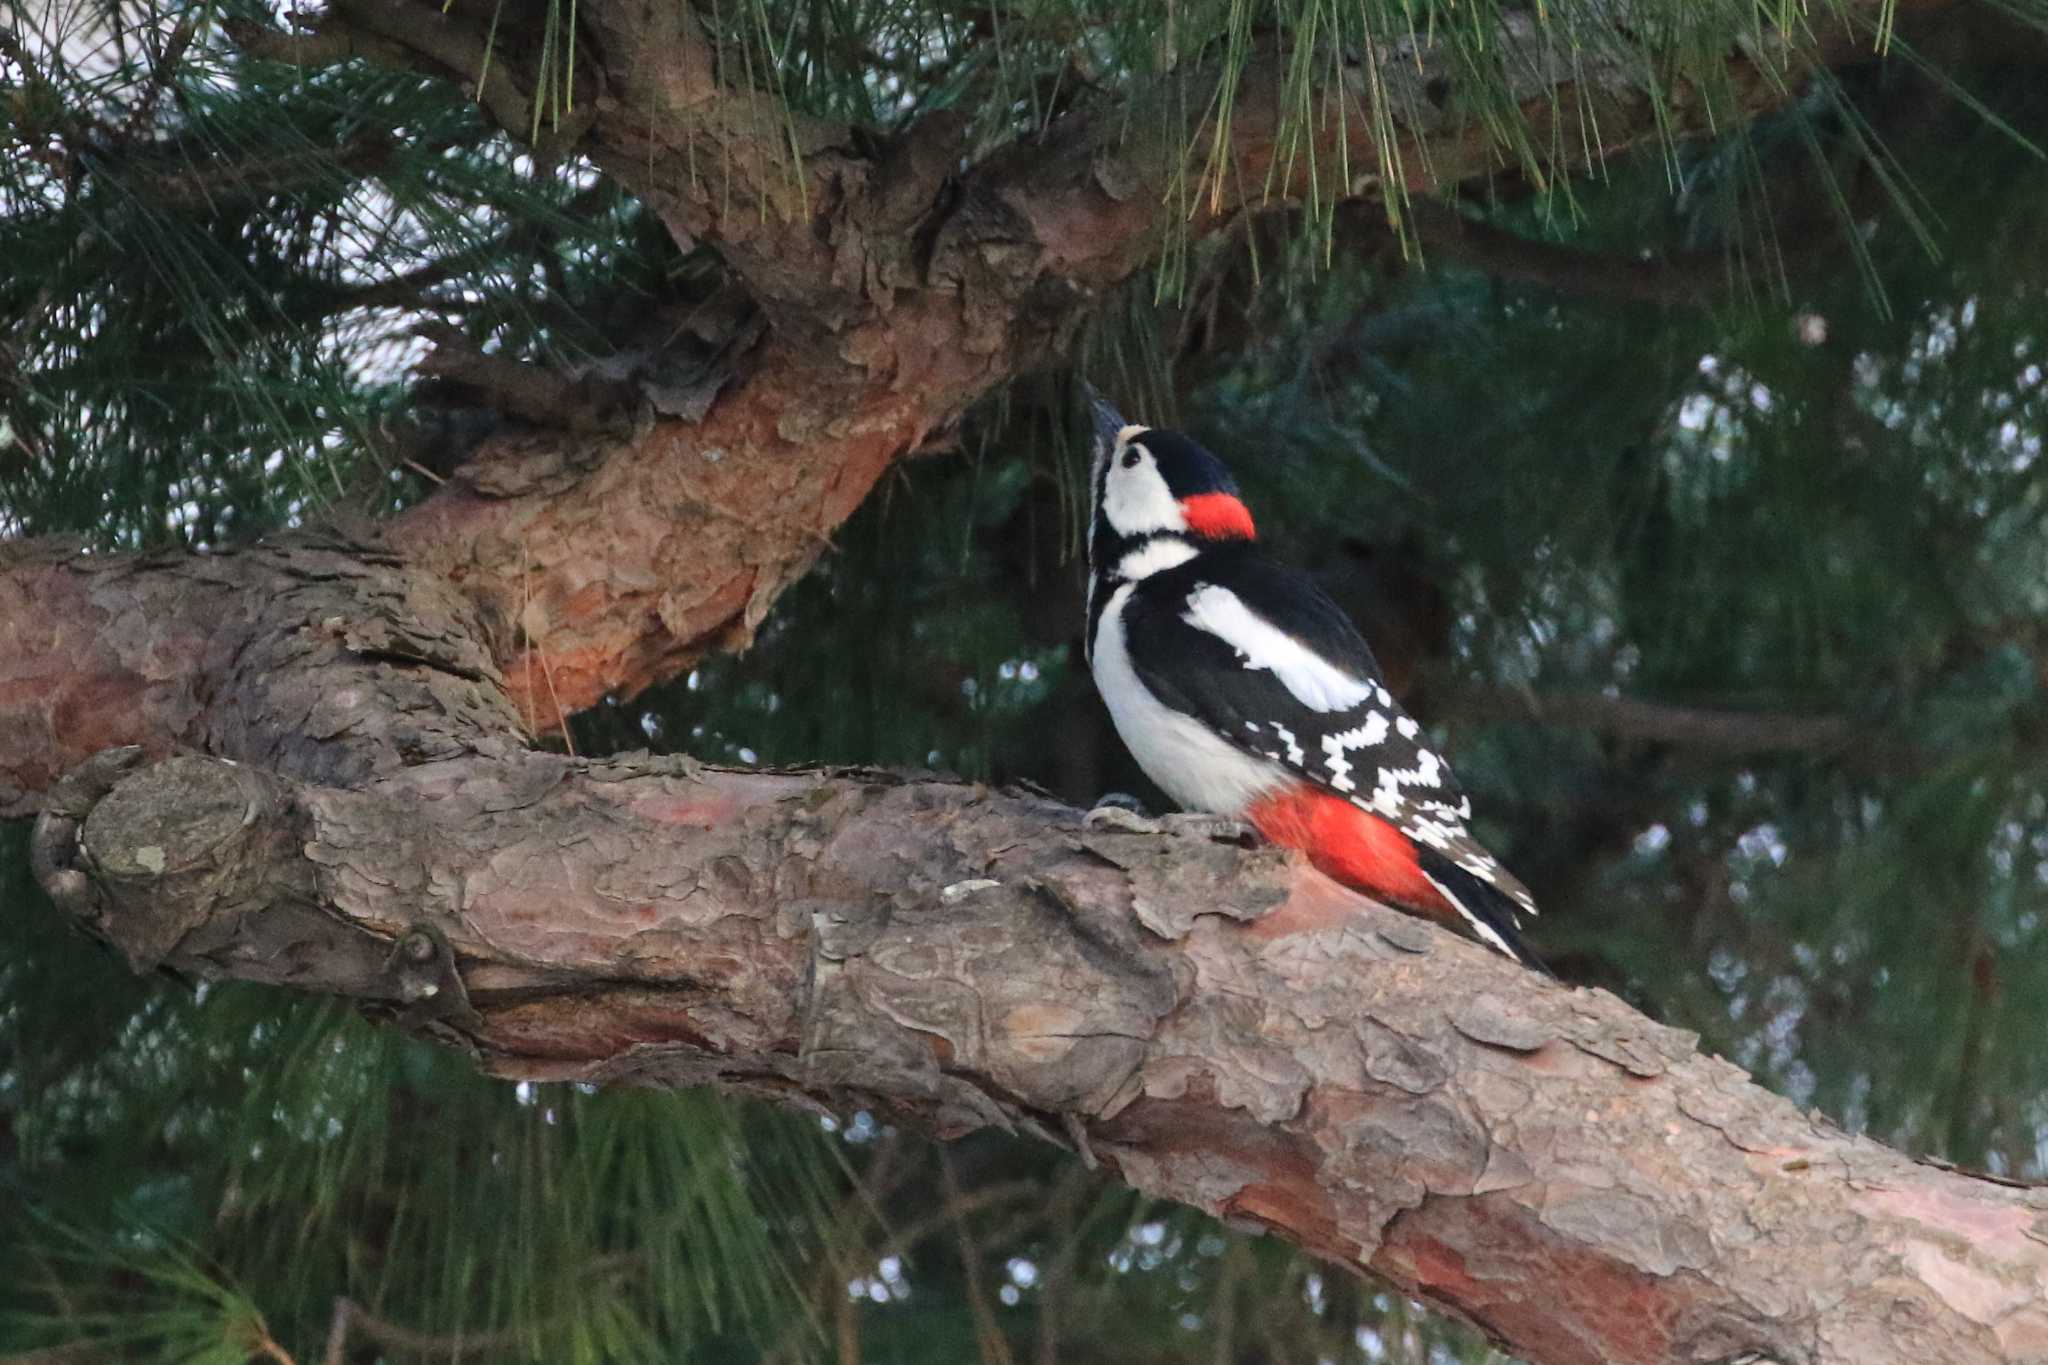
[[1271, 664]]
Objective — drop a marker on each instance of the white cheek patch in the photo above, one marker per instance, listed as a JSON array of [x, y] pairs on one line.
[[1137, 501], [1315, 682]]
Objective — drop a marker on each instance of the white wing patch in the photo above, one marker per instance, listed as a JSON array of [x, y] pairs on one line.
[[1427, 772], [1315, 682]]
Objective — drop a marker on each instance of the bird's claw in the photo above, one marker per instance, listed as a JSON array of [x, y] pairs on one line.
[[1221, 828], [1116, 816], [1194, 825]]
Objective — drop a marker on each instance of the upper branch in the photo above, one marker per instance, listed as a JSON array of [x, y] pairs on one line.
[[896, 283]]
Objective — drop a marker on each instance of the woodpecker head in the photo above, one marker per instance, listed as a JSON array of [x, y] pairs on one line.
[[1149, 484]]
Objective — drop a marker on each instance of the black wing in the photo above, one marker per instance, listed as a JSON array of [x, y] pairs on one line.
[[1278, 669]]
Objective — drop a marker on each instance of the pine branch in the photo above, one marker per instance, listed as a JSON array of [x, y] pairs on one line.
[[409, 289], [1229, 1029], [532, 393], [204, 180], [351, 1319], [327, 44], [1215, 1024], [1689, 280], [468, 53], [32, 74], [898, 289], [420, 38], [162, 68], [1711, 729]]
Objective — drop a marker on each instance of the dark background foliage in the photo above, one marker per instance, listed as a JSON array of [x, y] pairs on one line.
[[1694, 503]]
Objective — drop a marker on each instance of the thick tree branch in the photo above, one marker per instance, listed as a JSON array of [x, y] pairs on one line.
[[325, 659], [114, 652], [172, 176], [1221, 1026]]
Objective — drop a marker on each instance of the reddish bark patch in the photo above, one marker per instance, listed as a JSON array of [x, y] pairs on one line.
[[1315, 904], [1090, 237], [864, 464], [696, 812], [1570, 1303], [100, 709], [1297, 1210], [1283, 1192], [1195, 1123], [18, 694], [1442, 1270], [592, 1029]]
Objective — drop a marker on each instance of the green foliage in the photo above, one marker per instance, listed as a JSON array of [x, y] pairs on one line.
[[269, 235], [230, 256]]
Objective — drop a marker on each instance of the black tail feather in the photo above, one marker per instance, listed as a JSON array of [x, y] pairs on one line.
[[1490, 913]]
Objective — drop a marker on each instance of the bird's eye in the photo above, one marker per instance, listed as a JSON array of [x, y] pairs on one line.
[[1131, 458]]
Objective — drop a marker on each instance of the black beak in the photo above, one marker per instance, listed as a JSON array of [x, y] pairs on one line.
[[1108, 421]]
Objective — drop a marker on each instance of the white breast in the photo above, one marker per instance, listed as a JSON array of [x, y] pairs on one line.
[[1187, 760]]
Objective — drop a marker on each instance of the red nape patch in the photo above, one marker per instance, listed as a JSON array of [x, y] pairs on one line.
[[1218, 516], [1345, 843]]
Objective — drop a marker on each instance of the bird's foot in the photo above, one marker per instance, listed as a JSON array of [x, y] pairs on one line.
[[1120, 811], [1222, 828], [1112, 813]]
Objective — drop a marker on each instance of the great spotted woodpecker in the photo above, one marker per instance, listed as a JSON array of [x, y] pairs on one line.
[[1245, 692]]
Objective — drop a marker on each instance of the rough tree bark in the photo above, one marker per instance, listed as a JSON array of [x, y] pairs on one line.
[[1219, 1025], [356, 809]]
